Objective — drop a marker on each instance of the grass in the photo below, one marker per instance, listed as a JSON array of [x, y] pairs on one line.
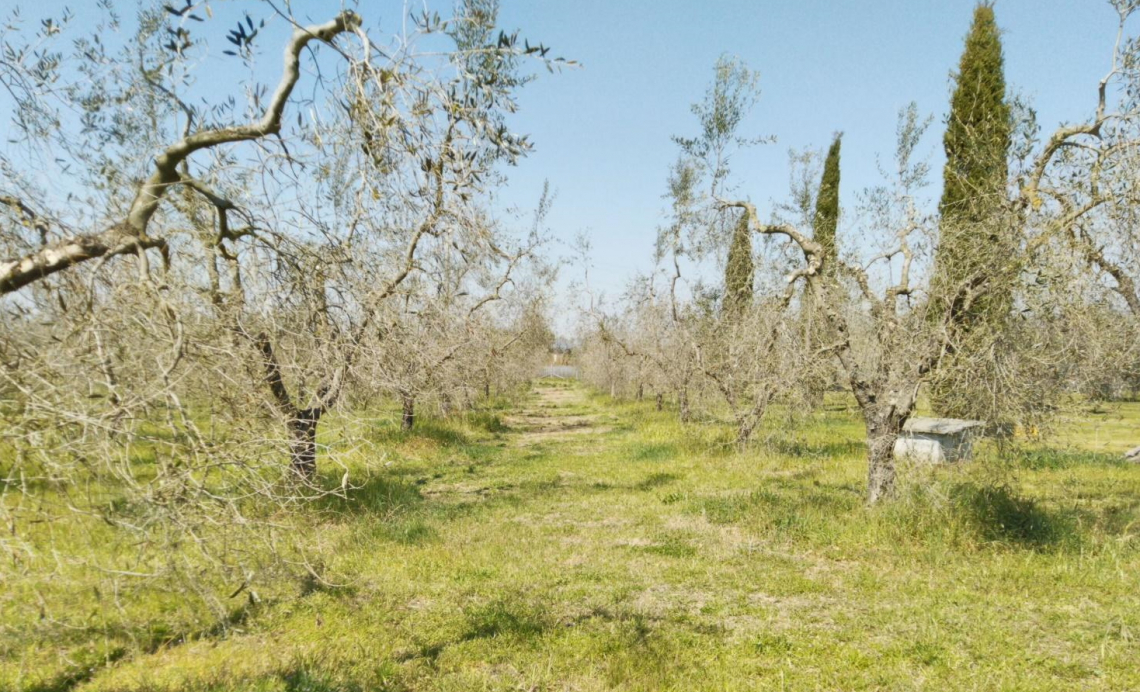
[[503, 552]]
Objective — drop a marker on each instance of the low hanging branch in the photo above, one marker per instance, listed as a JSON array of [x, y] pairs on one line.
[[1123, 284], [130, 234]]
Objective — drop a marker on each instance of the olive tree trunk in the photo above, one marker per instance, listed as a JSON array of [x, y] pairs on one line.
[[303, 441], [408, 419]]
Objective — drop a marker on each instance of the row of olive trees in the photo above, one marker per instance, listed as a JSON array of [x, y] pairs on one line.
[[1018, 290], [199, 276]]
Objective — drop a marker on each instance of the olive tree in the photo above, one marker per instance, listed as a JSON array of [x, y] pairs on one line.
[[196, 273]]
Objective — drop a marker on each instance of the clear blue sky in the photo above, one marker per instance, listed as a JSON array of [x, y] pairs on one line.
[[602, 132]]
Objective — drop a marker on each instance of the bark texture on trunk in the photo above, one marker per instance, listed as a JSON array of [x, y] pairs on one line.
[[408, 419], [660, 401], [303, 442], [301, 423], [744, 429], [880, 467], [683, 402], [883, 429]]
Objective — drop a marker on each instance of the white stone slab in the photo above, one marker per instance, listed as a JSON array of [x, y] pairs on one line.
[[937, 440]]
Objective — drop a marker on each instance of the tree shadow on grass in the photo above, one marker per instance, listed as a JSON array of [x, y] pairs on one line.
[[655, 480], [1000, 515], [653, 452], [971, 513], [79, 674], [486, 420], [781, 503], [508, 616], [308, 679], [378, 494], [966, 511], [147, 640], [398, 511], [442, 432]]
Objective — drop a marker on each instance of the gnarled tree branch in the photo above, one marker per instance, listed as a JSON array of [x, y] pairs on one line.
[[130, 234]]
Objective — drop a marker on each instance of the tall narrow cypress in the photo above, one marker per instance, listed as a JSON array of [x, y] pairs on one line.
[[973, 241], [825, 223], [826, 219], [739, 271], [976, 236]]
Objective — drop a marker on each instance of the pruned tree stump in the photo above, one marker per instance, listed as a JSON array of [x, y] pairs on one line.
[[937, 440]]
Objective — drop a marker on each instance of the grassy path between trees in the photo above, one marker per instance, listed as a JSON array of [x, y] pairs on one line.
[[582, 544]]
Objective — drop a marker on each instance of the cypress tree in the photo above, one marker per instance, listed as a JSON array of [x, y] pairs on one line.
[[971, 245], [826, 219], [739, 270], [976, 238], [825, 223]]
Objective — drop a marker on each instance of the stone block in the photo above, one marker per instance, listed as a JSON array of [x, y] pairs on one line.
[[937, 440]]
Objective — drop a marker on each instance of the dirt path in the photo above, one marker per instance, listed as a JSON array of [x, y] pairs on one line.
[[556, 410]]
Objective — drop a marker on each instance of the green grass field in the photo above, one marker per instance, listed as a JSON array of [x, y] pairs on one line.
[[575, 543]]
